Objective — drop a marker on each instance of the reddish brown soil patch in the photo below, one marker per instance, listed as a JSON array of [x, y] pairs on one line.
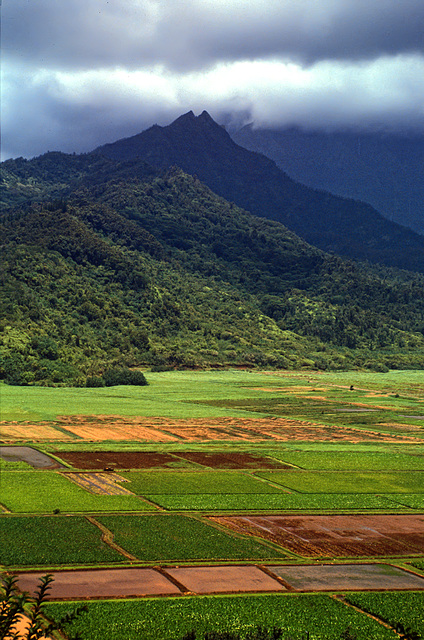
[[134, 582], [232, 460], [156, 459], [230, 579], [336, 536], [117, 459], [142, 429], [103, 583]]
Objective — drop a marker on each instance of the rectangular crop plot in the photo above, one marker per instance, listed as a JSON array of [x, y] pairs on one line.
[[412, 500], [352, 460], [121, 459], [348, 481], [336, 535], [222, 579], [46, 491], [103, 583], [231, 460], [174, 537], [52, 540], [347, 577], [196, 482], [271, 502]]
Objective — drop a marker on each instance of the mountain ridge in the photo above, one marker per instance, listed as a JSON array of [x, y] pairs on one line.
[[344, 226]]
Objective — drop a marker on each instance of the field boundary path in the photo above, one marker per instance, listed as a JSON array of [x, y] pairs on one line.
[[107, 538]]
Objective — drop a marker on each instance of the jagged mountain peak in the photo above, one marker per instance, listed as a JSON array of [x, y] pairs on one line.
[[202, 147]]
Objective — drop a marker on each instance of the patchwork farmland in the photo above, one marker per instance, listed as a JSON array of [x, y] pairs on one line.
[[220, 500]]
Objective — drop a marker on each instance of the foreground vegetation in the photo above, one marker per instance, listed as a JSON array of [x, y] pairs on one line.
[[169, 619]]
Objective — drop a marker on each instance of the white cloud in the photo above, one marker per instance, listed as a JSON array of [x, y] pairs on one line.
[[77, 111]]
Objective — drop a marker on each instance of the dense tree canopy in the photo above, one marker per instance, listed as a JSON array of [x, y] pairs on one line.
[[130, 267]]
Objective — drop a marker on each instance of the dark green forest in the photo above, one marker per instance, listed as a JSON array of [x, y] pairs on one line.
[[110, 264]]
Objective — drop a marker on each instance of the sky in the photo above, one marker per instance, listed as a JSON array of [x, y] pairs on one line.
[[80, 73]]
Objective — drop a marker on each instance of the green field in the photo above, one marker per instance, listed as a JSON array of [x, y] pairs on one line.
[[394, 608], [52, 540], [195, 482], [187, 394], [165, 521], [46, 491], [348, 481], [352, 460], [171, 618], [166, 538], [274, 502]]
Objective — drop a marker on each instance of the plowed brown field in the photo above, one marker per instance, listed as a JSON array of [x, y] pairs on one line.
[[156, 459], [336, 536]]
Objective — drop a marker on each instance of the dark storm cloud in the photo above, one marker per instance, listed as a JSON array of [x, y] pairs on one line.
[[188, 34], [79, 73]]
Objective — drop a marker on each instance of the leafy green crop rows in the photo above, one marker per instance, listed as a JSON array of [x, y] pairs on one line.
[[52, 540], [348, 482], [170, 619], [271, 501], [168, 538], [404, 608], [195, 482], [352, 460]]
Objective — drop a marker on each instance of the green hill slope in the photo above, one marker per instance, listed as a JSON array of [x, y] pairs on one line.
[[141, 268]]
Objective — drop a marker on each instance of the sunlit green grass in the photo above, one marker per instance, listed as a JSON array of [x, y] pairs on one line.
[[180, 394], [47, 491]]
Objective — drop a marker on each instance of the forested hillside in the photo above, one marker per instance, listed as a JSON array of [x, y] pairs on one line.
[[127, 265]]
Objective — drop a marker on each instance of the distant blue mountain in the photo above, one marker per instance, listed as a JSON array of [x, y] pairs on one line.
[[386, 170]]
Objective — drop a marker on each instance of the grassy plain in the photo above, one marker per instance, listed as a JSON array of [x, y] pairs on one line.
[[187, 394]]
